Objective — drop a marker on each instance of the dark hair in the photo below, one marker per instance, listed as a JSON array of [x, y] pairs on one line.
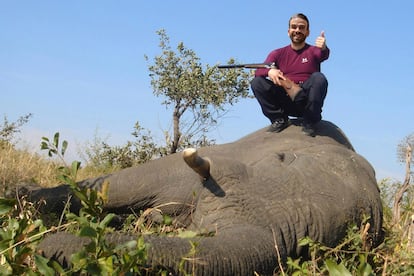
[[301, 16]]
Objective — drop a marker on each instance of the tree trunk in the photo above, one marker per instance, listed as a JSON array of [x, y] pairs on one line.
[[400, 193], [176, 129], [411, 233]]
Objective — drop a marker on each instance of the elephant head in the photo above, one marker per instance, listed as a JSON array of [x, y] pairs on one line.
[[259, 196]]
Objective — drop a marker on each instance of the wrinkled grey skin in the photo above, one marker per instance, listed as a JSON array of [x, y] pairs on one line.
[[264, 193]]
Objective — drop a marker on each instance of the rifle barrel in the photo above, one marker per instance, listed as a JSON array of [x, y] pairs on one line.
[[248, 65], [227, 66]]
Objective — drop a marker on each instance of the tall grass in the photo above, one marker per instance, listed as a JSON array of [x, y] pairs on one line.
[[20, 167]]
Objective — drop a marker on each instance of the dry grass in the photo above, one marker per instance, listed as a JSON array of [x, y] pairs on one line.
[[19, 167]]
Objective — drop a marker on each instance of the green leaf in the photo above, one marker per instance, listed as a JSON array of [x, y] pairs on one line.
[[167, 219], [106, 220], [364, 268], [75, 168], [129, 244], [6, 269], [305, 241], [51, 152], [106, 265], [56, 140], [79, 260], [87, 231], [57, 267], [64, 147], [336, 269], [293, 263], [186, 234], [80, 195], [64, 179], [44, 145], [6, 205], [80, 219], [42, 266]]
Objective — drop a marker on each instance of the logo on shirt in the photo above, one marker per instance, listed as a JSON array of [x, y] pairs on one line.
[[304, 60]]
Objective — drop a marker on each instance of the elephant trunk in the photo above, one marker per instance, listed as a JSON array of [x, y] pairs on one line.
[[198, 164], [241, 250]]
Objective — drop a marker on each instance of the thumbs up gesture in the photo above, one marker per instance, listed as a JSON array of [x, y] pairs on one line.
[[321, 41]]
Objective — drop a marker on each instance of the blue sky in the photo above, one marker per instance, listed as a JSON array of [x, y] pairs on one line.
[[79, 66]]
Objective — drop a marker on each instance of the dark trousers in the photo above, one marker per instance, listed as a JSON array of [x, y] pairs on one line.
[[308, 103]]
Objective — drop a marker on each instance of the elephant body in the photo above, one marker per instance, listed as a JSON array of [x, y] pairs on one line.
[[259, 196]]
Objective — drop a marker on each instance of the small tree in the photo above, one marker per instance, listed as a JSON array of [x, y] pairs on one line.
[[403, 205], [9, 129], [189, 88], [404, 153]]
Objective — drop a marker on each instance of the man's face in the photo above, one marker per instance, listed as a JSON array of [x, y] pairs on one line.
[[298, 30]]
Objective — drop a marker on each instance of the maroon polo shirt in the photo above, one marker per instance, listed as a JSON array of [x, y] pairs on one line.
[[297, 65]]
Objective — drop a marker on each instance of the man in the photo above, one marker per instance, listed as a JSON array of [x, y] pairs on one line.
[[294, 86]]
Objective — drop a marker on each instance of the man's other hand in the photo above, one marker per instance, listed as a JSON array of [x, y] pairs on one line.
[[321, 41]]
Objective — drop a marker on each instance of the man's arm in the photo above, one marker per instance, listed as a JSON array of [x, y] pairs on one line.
[[263, 72], [321, 44]]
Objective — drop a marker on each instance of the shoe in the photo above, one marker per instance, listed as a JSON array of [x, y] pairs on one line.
[[279, 124], [309, 129]]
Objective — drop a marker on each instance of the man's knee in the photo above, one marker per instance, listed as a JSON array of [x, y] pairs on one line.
[[258, 84], [319, 78]]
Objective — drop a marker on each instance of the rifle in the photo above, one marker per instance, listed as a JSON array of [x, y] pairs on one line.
[[291, 88], [247, 66]]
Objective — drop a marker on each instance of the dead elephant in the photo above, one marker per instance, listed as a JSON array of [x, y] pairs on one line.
[[262, 192]]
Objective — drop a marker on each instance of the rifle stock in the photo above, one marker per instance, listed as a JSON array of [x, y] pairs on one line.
[[247, 66]]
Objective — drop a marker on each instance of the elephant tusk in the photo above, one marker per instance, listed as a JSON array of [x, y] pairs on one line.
[[198, 164]]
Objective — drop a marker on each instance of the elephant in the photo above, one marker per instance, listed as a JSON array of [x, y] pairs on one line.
[[259, 196]]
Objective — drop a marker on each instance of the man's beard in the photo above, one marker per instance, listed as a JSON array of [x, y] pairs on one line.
[[297, 38]]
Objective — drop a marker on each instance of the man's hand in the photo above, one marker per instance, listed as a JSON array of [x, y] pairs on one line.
[[321, 41], [275, 75], [291, 88]]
